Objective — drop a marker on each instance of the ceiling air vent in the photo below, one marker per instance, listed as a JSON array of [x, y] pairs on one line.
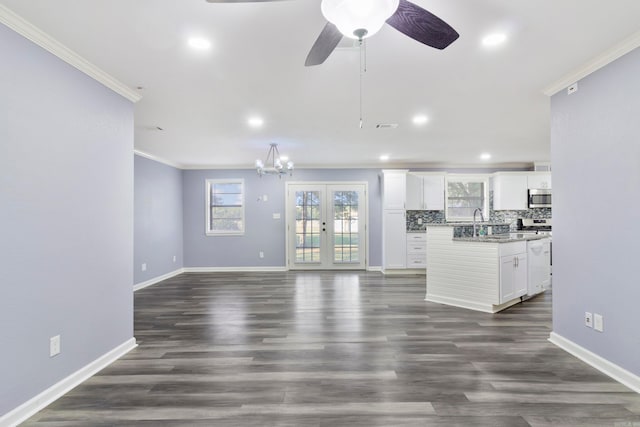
[[386, 125]]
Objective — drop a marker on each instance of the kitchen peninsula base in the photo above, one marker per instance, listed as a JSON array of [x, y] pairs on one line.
[[485, 274]]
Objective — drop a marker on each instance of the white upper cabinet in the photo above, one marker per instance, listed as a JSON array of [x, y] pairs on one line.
[[414, 192], [394, 190], [510, 191], [539, 180], [433, 192], [425, 191]]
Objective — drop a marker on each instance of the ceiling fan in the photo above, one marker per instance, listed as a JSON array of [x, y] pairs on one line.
[[360, 19]]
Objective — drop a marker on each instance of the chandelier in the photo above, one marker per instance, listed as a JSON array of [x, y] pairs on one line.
[[358, 19], [273, 164]]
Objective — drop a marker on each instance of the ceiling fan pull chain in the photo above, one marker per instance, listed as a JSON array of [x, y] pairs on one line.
[[362, 71], [365, 55]]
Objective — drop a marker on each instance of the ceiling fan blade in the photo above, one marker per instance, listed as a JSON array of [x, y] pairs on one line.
[[423, 26], [324, 45]]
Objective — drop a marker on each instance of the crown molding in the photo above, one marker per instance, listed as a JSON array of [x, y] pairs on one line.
[[443, 166], [45, 41], [158, 159], [610, 55]]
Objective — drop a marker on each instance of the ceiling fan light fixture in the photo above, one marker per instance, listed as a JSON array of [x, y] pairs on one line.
[[358, 19]]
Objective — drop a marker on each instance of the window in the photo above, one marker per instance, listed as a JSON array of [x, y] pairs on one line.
[[466, 193], [225, 207]]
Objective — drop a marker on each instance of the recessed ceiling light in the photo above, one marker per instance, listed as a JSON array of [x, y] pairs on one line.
[[485, 156], [494, 39], [255, 122], [199, 43], [384, 157], [420, 119]]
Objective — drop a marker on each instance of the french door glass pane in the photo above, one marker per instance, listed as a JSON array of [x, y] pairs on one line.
[[345, 227], [308, 227]]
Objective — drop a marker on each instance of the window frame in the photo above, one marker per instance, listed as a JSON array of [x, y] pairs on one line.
[[465, 178], [208, 186]]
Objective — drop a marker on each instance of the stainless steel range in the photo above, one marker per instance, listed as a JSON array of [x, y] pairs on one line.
[[535, 226]]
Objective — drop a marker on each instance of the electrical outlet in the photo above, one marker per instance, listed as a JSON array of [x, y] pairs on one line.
[[419, 221], [276, 216], [588, 319], [144, 266], [265, 198], [598, 322], [54, 346], [261, 254]]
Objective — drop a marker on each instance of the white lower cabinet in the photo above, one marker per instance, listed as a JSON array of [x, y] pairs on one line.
[[417, 250], [513, 271], [394, 240]]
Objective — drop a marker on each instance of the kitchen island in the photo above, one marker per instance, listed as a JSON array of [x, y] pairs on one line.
[[487, 273]]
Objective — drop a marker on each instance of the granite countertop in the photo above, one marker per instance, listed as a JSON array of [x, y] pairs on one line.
[[501, 238], [416, 231], [463, 224]]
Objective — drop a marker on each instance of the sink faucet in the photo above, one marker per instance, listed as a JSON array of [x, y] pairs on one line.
[[478, 210]]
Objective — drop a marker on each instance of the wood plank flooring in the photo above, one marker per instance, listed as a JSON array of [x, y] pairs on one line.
[[334, 349]]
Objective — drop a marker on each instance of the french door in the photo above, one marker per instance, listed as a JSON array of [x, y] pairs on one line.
[[326, 226]]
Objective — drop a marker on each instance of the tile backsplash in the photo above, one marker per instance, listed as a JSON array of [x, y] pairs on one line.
[[508, 217], [432, 217]]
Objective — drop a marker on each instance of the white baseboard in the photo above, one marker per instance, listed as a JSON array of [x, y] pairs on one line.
[[231, 269], [471, 305], [377, 268], [33, 405], [405, 271], [603, 365], [158, 279]]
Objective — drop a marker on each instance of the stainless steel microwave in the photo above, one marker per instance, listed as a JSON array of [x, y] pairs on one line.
[[540, 198]]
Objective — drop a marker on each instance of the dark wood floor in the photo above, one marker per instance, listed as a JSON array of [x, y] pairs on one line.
[[333, 349]]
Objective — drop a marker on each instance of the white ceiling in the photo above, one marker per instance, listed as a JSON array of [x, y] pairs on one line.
[[478, 100]]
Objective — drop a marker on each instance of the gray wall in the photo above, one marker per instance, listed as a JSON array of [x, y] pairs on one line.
[[595, 151], [262, 232], [66, 219], [157, 219]]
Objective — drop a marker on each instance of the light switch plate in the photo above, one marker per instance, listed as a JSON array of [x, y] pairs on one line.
[[276, 216], [598, 322], [54, 346]]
